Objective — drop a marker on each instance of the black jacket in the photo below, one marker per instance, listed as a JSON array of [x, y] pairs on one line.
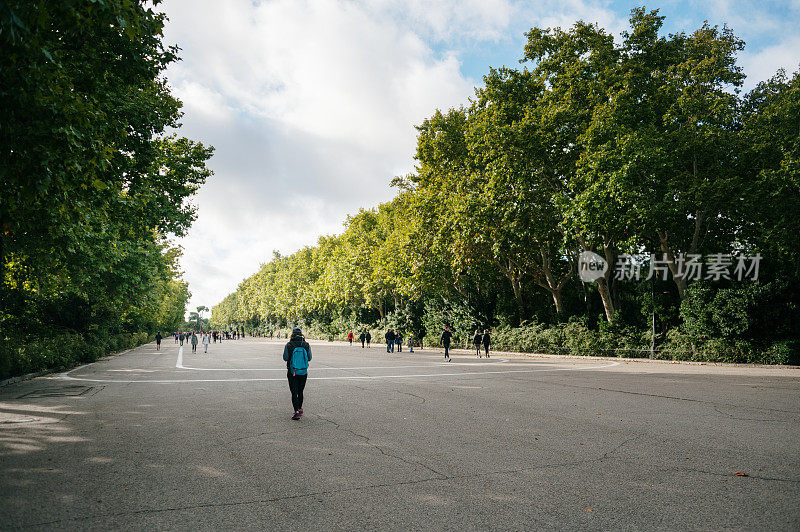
[[446, 335], [476, 340], [487, 339], [295, 341]]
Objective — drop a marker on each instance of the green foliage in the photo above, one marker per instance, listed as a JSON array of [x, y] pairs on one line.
[[93, 182], [639, 145], [753, 323], [59, 351]]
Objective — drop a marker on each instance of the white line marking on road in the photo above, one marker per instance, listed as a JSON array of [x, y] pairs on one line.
[[179, 365], [318, 368], [65, 376]]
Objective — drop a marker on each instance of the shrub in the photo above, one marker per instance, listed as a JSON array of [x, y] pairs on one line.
[[60, 350]]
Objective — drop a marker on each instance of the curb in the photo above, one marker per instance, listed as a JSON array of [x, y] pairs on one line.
[[625, 359], [576, 357], [61, 369], [29, 376]]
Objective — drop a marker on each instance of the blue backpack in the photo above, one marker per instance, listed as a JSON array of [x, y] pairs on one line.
[[299, 361]]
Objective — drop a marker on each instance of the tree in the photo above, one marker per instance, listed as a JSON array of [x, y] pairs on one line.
[[576, 68], [93, 183]]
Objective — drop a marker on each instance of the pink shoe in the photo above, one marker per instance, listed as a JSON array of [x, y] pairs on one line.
[[296, 415]]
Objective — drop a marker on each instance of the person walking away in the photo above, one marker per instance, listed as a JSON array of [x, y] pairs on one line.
[[350, 338], [398, 339], [487, 341], [182, 337], [176, 338], [362, 337], [476, 342], [421, 336], [158, 341], [206, 341], [446, 337], [194, 342], [390, 341], [368, 336], [297, 354], [410, 342]]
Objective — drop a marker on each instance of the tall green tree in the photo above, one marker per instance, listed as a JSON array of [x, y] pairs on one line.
[[93, 182]]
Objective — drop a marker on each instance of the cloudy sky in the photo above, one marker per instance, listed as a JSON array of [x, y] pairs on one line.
[[311, 105]]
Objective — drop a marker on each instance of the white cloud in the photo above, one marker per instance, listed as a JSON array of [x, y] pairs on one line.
[[764, 63], [311, 108]]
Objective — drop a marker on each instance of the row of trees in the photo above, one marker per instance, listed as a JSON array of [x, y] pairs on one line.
[[93, 181], [645, 145]]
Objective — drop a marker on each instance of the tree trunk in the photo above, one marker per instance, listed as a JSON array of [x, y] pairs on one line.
[[605, 297], [603, 282], [558, 301], [516, 286], [678, 277]]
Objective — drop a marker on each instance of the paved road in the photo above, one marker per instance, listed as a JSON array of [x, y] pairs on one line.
[[171, 441]]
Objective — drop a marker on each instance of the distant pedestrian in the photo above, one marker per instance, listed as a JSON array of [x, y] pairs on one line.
[[410, 342], [421, 336], [390, 341], [446, 337], [206, 341], [487, 341], [297, 354], [369, 338], [194, 342], [158, 341], [182, 337], [176, 338], [476, 342], [362, 337], [398, 340], [350, 338]]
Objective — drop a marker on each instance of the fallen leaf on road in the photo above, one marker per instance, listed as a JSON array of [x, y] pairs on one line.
[[589, 510], [741, 474]]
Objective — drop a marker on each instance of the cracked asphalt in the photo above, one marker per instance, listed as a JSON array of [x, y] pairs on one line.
[[179, 441]]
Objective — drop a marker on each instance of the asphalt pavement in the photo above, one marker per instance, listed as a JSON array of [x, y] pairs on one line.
[[176, 440]]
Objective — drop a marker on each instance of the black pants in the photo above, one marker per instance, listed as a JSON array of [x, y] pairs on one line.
[[447, 351], [296, 385], [486, 347]]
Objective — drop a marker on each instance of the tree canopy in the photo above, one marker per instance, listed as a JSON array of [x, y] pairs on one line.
[[641, 145], [95, 178]]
